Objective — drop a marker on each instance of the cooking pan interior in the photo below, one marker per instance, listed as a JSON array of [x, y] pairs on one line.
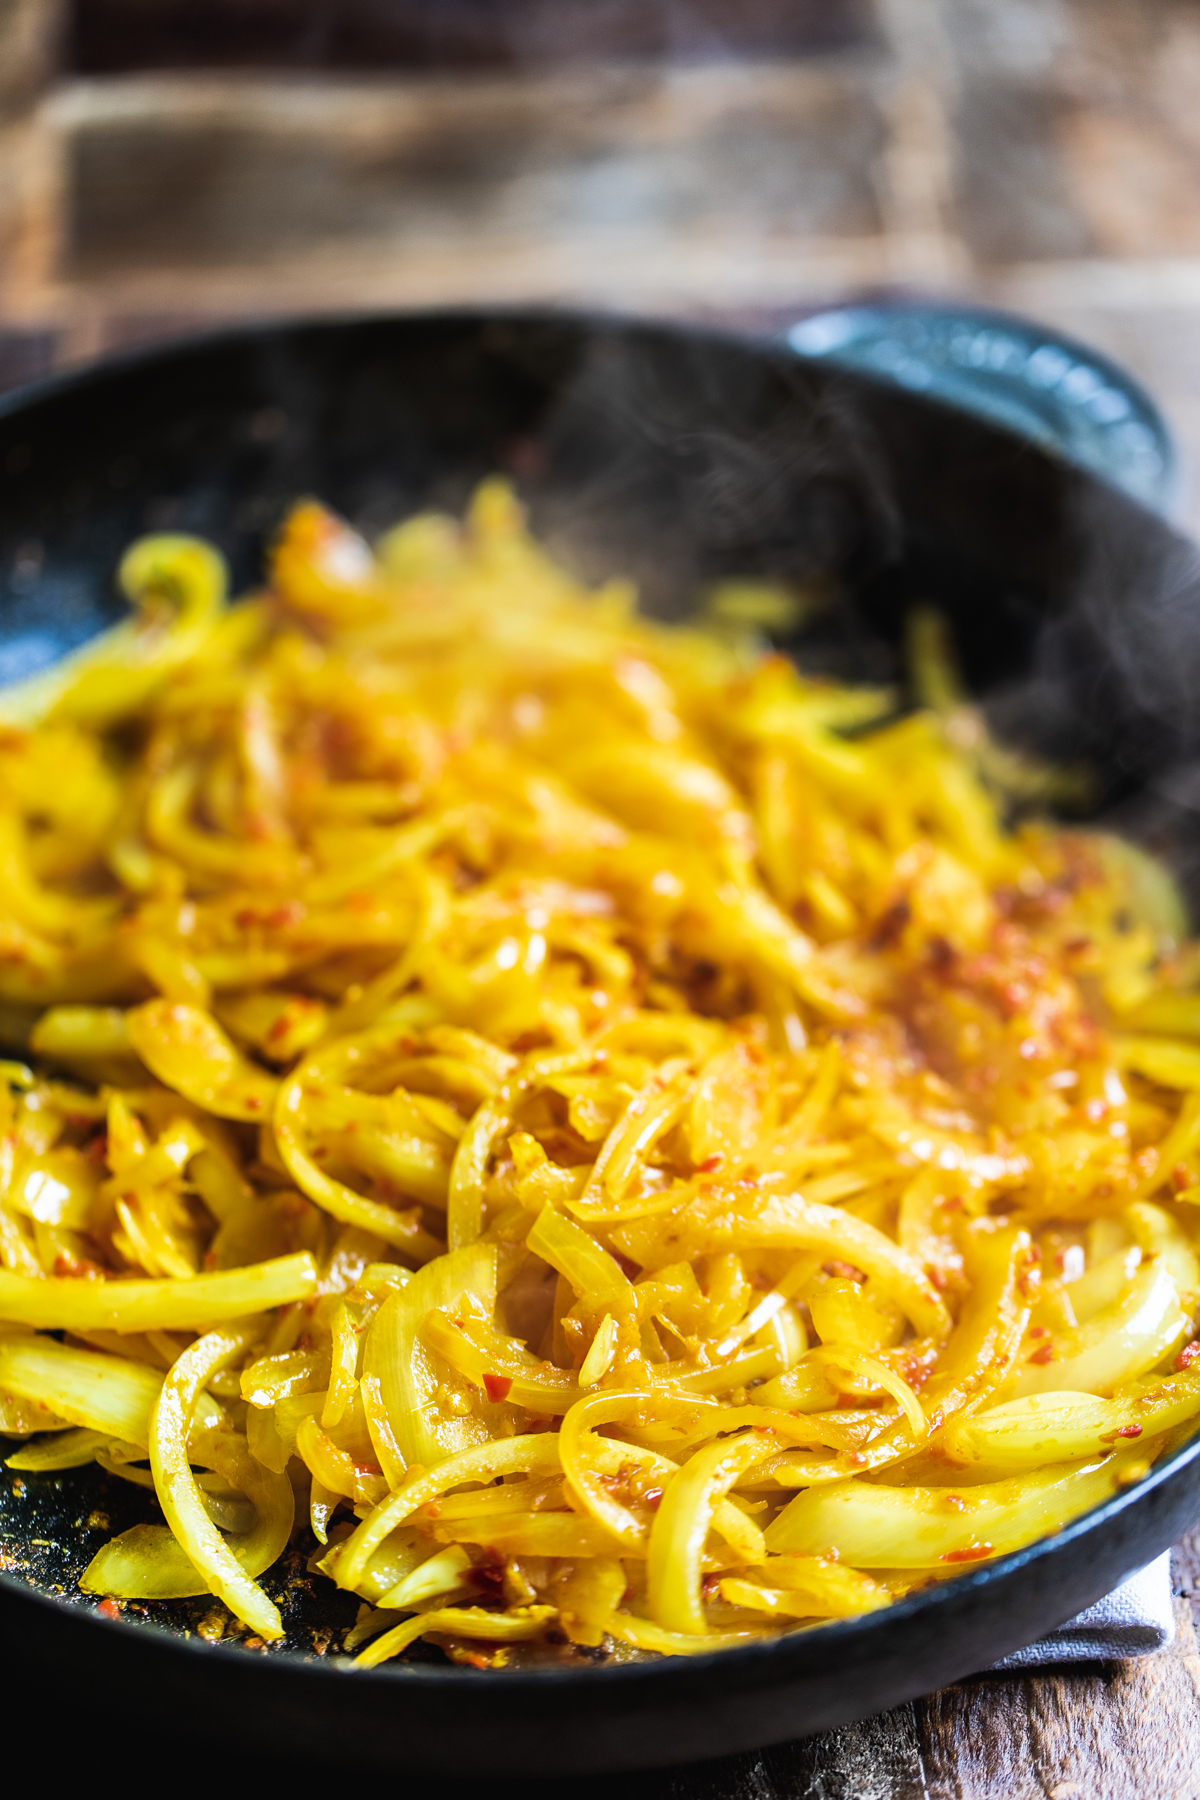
[[674, 456]]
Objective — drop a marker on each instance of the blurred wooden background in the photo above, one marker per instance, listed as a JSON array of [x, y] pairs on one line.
[[165, 164]]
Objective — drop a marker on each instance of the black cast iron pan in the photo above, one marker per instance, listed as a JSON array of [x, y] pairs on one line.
[[678, 456]]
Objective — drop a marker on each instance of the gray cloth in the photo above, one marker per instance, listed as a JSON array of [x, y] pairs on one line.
[[1136, 1619]]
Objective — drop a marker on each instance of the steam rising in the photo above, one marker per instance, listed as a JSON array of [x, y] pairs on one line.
[[678, 457]]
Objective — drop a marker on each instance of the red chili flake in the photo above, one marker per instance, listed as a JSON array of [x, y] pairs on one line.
[[711, 1164], [1129, 1431], [708, 1586], [937, 1277], [253, 1103], [77, 1268], [891, 923], [953, 1203], [289, 914], [488, 1576], [367, 1468], [1181, 1177], [1188, 1354], [942, 954], [975, 1553], [846, 1270], [110, 1609], [1028, 1277], [497, 1386], [1038, 1331], [956, 1503], [652, 1499], [1044, 1355]]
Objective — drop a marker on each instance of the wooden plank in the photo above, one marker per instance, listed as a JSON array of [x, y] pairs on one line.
[[1116, 1731], [208, 172], [1185, 1569], [874, 1759], [111, 36], [30, 37]]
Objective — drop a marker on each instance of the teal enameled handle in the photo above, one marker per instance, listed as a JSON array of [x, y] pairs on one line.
[[1011, 371]]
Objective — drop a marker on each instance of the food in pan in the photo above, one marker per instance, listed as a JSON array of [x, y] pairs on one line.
[[634, 1146]]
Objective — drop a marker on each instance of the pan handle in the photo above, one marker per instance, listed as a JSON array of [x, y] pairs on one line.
[[1012, 372]]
